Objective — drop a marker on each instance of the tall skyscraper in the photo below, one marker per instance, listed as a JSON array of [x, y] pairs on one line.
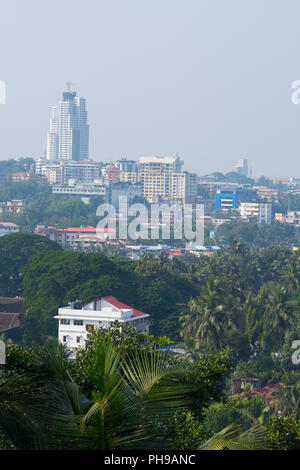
[[241, 167], [68, 136]]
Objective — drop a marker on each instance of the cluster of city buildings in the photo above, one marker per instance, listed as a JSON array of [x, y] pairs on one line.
[[67, 167]]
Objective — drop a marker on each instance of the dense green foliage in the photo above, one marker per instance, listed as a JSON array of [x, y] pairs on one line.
[[15, 252]]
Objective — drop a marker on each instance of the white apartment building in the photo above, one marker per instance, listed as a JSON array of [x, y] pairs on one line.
[[293, 217], [183, 187], [76, 321], [159, 165], [129, 166], [260, 211], [15, 206], [60, 173], [68, 136], [8, 227], [83, 190]]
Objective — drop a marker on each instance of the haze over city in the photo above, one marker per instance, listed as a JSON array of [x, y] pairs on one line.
[[209, 80]]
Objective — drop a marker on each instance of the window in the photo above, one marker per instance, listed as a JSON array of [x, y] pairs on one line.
[[63, 321], [64, 339], [78, 322], [77, 339]]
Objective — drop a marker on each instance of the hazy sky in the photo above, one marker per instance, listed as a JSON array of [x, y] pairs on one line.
[[207, 79]]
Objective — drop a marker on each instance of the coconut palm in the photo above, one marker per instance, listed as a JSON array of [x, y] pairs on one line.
[[232, 438], [27, 411], [278, 311], [132, 400], [205, 321]]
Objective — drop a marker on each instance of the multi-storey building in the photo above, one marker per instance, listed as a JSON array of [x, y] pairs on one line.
[[129, 166], [117, 191], [262, 212], [130, 177], [163, 179], [72, 236], [68, 136], [77, 321], [60, 173], [15, 206], [267, 193], [241, 167], [230, 198], [292, 217], [183, 187], [8, 227], [20, 176], [82, 190]]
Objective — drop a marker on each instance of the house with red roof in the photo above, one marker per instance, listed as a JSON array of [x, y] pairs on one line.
[[76, 320]]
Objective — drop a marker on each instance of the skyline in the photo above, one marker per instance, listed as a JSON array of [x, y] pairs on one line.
[[210, 82]]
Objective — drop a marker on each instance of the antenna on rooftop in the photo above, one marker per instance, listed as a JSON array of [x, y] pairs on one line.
[[69, 84]]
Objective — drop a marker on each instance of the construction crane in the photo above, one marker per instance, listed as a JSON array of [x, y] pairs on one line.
[[69, 84]]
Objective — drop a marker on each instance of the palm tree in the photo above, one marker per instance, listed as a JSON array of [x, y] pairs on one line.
[[278, 314], [132, 401], [27, 411], [232, 438], [205, 320]]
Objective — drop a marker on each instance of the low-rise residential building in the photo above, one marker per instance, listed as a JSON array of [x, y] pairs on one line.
[[76, 321], [8, 227], [73, 236], [292, 217], [15, 206], [20, 176], [11, 315]]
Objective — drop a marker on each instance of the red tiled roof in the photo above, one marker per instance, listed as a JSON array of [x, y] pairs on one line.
[[8, 321], [116, 303], [10, 300], [85, 229]]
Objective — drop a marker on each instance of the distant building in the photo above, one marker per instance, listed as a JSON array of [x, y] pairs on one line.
[[262, 212], [74, 236], [86, 172], [76, 321], [112, 173], [68, 136], [15, 206], [82, 190], [11, 315], [241, 167], [230, 198], [238, 384], [117, 191], [292, 182], [20, 176], [292, 217], [128, 166], [266, 193], [163, 179], [8, 227], [130, 177]]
